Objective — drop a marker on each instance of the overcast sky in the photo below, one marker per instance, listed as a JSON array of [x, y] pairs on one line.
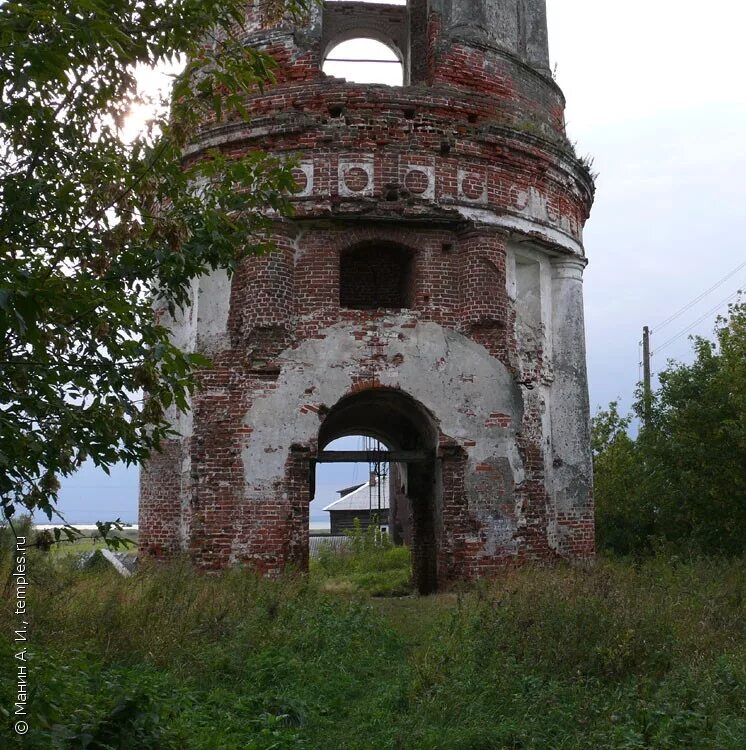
[[656, 94]]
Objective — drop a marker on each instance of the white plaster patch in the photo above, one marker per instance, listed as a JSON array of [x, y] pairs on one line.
[[182, 326], [347, 174], [307, 168], [519, 198], [500, 537], [181, 421], [432, 362], [524, 226], [214, 306], [570, 414]]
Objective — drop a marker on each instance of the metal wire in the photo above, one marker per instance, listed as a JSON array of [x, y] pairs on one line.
[[696, 322], [359, 60], [717, 284]]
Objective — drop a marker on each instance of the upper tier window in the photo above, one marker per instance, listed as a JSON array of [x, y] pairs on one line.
[[376, 276], [364, 61]]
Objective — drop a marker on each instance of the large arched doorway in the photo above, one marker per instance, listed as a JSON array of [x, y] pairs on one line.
[[410, 436]]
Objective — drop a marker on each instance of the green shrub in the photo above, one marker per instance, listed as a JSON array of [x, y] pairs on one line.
[[21, 527]]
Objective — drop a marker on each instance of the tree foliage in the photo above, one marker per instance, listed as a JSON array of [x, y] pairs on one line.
[[91, 228], [622, 524], [682, 480]]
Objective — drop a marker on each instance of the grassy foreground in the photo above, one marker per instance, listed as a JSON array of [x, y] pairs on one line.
[[369, 563], [624, 656]]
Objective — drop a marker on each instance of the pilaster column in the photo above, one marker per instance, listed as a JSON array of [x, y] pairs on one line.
[[572, 468], [533, 29]]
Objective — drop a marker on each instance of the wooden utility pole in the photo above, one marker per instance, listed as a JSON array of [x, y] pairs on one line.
[[646, 388]]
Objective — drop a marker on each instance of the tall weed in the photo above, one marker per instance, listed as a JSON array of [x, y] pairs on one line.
[[626, 655], [368, 563]]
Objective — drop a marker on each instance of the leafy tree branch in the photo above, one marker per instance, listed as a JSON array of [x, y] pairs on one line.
[[93, 229]]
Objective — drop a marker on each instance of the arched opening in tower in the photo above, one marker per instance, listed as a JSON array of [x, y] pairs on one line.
[[397, 485], [373, 276], [364, 60], [354, 498]]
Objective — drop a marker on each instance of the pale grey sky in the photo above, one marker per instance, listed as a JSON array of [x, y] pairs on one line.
[[656, 94]]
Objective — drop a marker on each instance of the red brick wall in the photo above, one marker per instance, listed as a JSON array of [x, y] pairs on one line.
[[458, 281], [399, 196], [160, 515]]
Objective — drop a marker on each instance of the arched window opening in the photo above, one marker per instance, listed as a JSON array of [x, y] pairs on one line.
[[355, 492], [376, 276], [364, 61]]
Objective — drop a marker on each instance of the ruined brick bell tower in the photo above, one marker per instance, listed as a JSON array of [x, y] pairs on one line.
[[428, 292]]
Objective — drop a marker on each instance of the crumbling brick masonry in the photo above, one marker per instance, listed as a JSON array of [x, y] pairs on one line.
[[428, 292]]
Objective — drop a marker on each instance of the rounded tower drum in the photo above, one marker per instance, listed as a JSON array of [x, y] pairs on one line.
[[427, 292]]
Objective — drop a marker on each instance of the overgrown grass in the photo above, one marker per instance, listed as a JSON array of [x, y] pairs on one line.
[[367, 563], [651, 655]]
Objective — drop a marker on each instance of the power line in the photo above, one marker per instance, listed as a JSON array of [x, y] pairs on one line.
[[698, 299], [696, 322], [361, 60]]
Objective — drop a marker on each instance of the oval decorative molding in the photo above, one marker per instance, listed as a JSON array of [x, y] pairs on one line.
[[519, 198], [417, 181], [301, 181], [472, 186], [356, 179]]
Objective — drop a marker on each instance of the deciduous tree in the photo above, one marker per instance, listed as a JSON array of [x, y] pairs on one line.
[[92, 227], [682, 481]]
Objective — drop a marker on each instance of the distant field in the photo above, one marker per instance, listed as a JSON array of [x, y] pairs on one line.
[[91, 540], [633, 654]]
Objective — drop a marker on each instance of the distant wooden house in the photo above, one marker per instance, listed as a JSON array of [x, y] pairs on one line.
[[369, 503]]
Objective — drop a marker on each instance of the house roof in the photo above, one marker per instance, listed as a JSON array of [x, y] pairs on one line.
[[364, 497], [347, 490]]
